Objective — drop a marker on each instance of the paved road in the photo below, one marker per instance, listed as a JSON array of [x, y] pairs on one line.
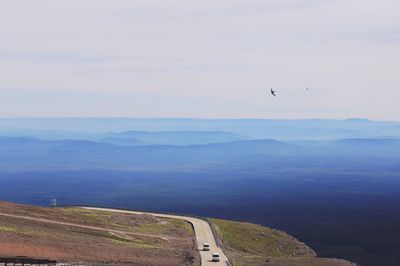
[[201, 228]]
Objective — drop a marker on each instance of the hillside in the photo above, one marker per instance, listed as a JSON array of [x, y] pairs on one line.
[[94, 237], [251, 244], [74, 234]]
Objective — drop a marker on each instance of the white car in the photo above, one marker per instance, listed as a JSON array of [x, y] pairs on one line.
[[215, 257], [206, 246]]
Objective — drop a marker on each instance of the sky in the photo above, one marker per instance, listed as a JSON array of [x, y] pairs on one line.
[[200, 59]]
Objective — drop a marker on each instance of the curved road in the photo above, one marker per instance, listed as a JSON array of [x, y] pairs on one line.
[[201, 228]]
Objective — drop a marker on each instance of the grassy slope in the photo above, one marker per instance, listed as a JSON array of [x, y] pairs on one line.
[[251, 244], [245, 243], [19, 237]]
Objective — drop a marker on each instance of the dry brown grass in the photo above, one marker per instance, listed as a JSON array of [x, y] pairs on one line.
[[36, 239]]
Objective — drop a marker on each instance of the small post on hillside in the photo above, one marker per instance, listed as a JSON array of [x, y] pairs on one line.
[[53, 203]]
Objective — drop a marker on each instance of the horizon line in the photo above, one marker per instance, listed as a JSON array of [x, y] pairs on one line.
[[192, 118]]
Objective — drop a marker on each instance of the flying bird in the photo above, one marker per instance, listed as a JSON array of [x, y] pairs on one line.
[[273, 92]]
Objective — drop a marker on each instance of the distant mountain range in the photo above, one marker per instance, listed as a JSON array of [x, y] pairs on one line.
[[136, 138], [27, 153], [176, 144], [194, 131]]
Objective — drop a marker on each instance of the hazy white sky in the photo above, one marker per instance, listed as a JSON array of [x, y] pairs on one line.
[[209, 58]]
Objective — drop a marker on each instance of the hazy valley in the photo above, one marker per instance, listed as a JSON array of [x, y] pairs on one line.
[[317, 190]]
